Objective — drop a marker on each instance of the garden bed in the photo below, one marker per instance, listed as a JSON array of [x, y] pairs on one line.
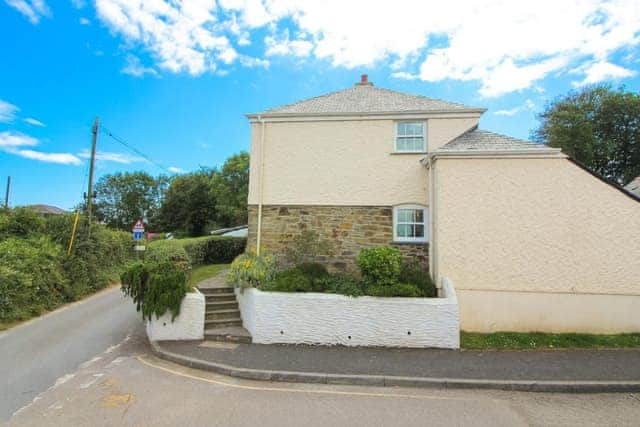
[[330, 319]]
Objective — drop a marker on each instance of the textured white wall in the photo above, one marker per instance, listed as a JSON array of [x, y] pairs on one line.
[[343, 162], [314, 318], [189, 325]]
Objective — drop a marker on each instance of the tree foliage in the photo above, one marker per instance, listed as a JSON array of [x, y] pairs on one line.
[[598, 126], [230, 188], [122, 198]]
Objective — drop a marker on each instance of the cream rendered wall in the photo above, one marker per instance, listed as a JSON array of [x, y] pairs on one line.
[[525, 240], [347, 162]]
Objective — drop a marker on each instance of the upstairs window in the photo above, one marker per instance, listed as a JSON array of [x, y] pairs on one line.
[[410, 224], [410, 137]]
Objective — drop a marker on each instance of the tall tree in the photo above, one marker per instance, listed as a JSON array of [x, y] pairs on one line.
[[230, 188], [189, 205], [122, 198], [597, 126]]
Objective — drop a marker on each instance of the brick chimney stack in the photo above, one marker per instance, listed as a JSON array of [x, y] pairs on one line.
[[364, 81]]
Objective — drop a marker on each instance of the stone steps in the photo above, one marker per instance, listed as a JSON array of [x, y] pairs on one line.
[[220, 297], [236, 334], [229, 313], [222, 315]]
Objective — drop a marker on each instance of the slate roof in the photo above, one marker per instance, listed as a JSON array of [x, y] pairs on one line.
[[367, 99], [481, 140], [634, 186]]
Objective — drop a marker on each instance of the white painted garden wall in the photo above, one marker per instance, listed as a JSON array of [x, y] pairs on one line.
[[189, 325], [329, 319]]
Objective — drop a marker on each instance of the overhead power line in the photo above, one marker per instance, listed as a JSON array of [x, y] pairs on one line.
[[121, 141]]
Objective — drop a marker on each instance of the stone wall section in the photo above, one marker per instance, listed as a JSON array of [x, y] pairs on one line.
[[349, 228]]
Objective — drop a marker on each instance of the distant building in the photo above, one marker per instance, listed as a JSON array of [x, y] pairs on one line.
[[634, 186], [46, 210]]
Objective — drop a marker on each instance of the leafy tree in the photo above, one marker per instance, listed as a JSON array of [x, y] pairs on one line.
[[230, 188], [189, 204], [598, 126], [122, 198]]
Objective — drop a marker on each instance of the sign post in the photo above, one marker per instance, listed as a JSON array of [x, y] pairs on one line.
[[138, 234]]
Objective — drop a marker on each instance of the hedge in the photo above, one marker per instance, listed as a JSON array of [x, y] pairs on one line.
[[208, 249]]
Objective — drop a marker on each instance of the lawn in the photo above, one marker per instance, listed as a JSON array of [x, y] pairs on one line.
[[541, 341], [202, 272]]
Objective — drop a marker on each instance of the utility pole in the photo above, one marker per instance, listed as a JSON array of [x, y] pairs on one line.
[[6, 194], [94, 140]]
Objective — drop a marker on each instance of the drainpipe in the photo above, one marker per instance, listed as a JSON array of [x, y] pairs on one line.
[[433, 220], [260, 198]]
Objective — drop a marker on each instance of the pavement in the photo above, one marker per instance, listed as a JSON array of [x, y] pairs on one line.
[[34, 355], [554, 370]]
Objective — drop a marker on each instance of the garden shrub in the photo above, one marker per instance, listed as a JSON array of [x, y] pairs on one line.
[[169, 251], [380, 266], [208, 249], [313, 270], [21, 222], [306, 247], [292, 280], [342, 284], [155, 287], [394, 290], [250, 270], [415, 274]]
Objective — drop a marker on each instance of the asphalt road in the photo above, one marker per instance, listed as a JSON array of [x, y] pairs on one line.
[[130, 387], [35, 355]]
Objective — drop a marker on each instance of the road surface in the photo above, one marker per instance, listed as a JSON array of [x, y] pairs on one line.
[[33, 356]]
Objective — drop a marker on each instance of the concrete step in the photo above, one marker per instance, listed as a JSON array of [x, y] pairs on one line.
[[221, 305], [217, 290], [220, 297], [228, 334], [218, 323], [222, 314]]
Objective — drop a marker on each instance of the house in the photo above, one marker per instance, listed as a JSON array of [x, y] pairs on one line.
[[47, 210], [529, 238]]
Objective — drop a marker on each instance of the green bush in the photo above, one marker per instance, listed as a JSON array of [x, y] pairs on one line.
[[380, 266], [208, 249], [169, 251], [306, 247], [313, 270], [394, 290], [155, 287], [20, 222], [292, 280], [250, 270], [31, 277], [413, 273], [342, 284]]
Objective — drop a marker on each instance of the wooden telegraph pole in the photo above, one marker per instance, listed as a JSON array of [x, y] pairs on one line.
[[94, 140]]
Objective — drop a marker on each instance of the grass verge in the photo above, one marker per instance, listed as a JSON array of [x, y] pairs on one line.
[[541, 341], [202, 272]]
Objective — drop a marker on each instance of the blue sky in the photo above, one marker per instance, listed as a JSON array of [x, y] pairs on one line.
[[175, 80]]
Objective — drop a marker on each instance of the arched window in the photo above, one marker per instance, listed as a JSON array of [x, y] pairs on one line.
[[411, 224]]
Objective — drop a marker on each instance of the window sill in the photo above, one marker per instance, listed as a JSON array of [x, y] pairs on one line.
[[417, 242], [408, 152]]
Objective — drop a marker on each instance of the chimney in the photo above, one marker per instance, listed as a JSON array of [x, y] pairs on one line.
[[364, 81]]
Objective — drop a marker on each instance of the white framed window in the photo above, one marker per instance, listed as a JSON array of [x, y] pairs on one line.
[[411, 223], [411, 137]]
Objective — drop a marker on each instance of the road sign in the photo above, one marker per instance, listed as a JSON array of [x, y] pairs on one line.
[[138, 230], [140, 248]]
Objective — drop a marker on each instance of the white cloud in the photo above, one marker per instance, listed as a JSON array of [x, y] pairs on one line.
[[33, 10], [9, 139], [84, 21], [61, 158], [107, 156], [528, 105], [503, 45], [14, 143], [174, 169], [7, 111], [79, 4], [34, 122], [135, 68], [601, 71]]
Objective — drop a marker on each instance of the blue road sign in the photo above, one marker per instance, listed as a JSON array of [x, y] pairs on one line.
[[137, 235]]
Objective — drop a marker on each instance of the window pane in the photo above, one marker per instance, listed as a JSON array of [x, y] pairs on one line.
[[409, 144], [404, 215], [402, 129], [403, 230], [414, 129], [419, 230], [419, 215]]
